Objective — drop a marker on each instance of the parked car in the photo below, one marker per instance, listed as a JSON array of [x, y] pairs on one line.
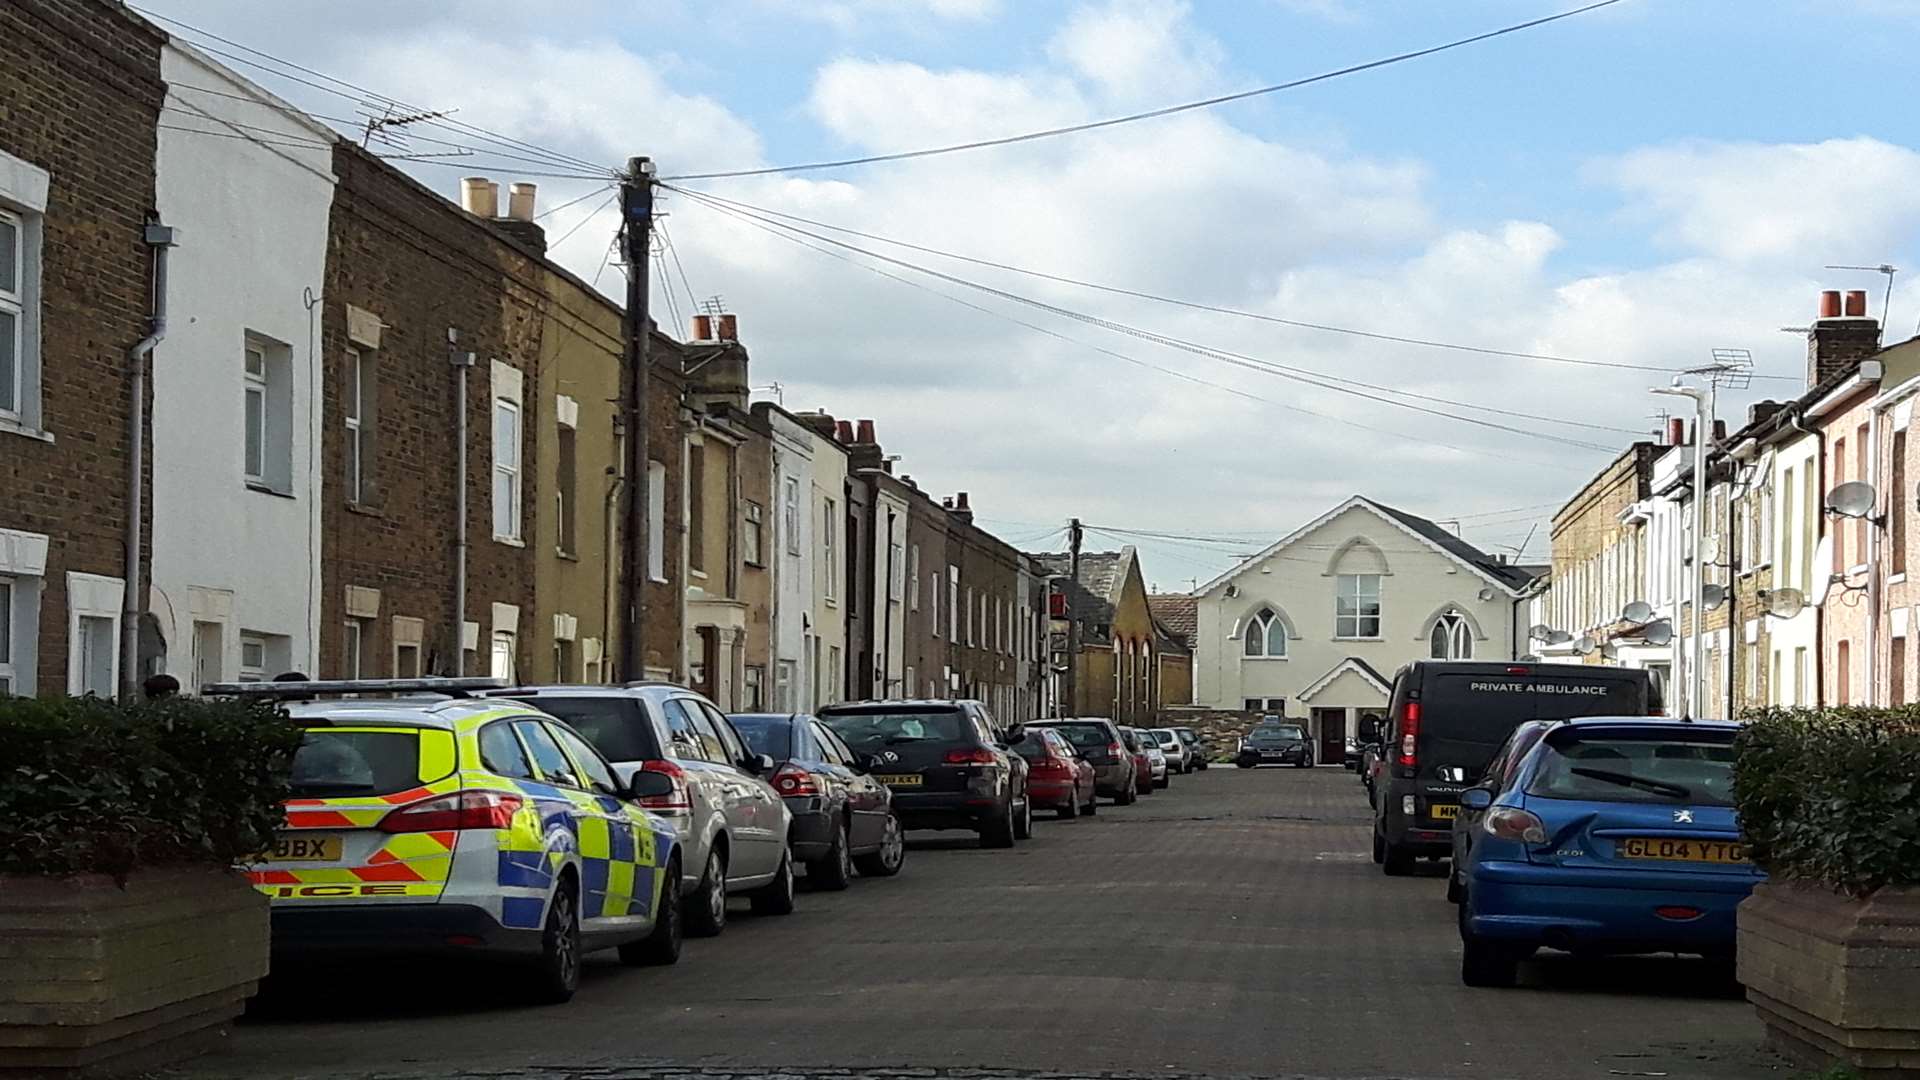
[[1275, 742], [1058, 777], [1142, 765], [689, 765], [462, 826], [948, 764], [1350, 756], [1101, 743], [1157, 763], [1179, 754], [843, 818], [1196, 748], [1497, 779], [1618, 835], [1445, 721]]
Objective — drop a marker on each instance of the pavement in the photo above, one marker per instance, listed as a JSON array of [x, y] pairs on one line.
[[1233, 925]]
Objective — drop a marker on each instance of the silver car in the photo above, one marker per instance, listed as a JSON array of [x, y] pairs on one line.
[[1179, 754], [687, 764], [1158, 760]]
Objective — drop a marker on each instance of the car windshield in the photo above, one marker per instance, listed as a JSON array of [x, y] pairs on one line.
[[1033, 748], [1277, 733], [870, 731], [333, 764], [766, 733], [614, 725], [1165, 736], [1614, 767], [1085, 736]]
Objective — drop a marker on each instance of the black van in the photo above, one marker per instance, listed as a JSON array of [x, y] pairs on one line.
[[1447, 719]]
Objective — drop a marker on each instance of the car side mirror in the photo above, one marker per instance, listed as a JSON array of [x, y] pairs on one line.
[[1016, 735], [757, 764], [1478, 798]]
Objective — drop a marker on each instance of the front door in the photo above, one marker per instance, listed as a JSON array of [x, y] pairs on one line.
[[1330, 734]]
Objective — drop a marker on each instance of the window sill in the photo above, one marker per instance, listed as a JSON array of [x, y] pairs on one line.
[[1895, 579], [1243, 656], [657, 580], [831, 602], [265, 490], [15, 427], [1376, 637], [510, 541], [697, 575], [563, 553], [365, 509]]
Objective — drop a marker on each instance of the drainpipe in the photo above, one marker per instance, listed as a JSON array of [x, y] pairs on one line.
[[462, 363], [160, 238], [614, 486]]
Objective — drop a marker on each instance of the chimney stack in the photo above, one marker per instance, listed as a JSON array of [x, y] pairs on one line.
[[865, 434], [727, 328], [843, 432], [520, 201], [480, 197], [1842, 337], [1719, 432], [961, 511], [703, 328], [1676, 431]]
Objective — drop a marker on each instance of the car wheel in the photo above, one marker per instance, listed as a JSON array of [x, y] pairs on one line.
[[776, 897], [706, 909], [1397, 861], [1093, 804], [999, 833], [1023, 821], [886, 860], [662, 946], [1071, 809], [557, 973], [1379, 848], [1486, 963], [1454, 893], [1242, 764], [1125, 798], [834, 870]]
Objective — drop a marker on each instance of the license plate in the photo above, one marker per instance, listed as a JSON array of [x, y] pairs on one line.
[[1669, 849], [292, 848], [899, 779], [1444, 811]]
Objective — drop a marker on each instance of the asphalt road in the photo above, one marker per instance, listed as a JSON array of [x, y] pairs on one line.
[[1232, 925]]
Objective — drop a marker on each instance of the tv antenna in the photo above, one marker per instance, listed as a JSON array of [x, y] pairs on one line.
[[713, 305], [1732, 369], [380, 125], [1887, 301]]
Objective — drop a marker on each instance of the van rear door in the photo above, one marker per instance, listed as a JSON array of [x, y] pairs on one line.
[[1465, 716]]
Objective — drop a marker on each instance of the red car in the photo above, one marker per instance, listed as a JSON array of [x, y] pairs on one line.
[[1142, 766], [1058, 778]]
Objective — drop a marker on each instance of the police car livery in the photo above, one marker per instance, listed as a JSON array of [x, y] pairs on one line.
[[441, 823]]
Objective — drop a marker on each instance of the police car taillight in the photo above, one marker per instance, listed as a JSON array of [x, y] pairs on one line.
[[461, 810]]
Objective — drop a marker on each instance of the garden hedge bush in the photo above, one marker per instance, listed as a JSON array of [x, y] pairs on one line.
[[93, 786], [1832, 796]]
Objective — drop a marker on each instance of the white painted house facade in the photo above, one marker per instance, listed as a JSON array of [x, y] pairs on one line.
[[236, 466], [1315, 626]]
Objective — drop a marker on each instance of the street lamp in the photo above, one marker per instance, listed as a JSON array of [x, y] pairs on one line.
[[1702, 426]]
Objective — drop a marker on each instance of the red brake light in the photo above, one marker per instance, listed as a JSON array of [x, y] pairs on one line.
[[1509, 823], [676, 798], [460, 810], [1516, 670], [1677, 913], [1115, 749], [1410, 735], [971, 755], [792, 780]]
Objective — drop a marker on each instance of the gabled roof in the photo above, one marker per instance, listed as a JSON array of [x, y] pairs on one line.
[[1508, 577], [1178, 614], [1102, 575], [1357, 666]]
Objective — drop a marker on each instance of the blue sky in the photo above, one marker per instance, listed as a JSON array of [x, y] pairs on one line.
[[1638, 185]]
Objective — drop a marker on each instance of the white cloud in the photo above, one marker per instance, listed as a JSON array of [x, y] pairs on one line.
[[1138, 50], [850, 15]]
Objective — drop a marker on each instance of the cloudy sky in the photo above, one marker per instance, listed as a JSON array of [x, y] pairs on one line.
[[1637, 186]]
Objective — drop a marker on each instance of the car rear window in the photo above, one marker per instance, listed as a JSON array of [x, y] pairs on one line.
[[1033, 748], [765, 733], [1692, 768], [344, 764], [868, 731], [614, 725], [1085, 736]]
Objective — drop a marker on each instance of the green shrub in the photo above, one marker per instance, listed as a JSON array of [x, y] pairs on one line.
[[89, 785], [1832, 796]]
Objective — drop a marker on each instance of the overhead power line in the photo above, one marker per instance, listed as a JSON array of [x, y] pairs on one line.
[[1205, 103], [1268, 367], [1210, 308]]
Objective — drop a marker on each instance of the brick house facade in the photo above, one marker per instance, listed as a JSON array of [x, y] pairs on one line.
[[80, 93]]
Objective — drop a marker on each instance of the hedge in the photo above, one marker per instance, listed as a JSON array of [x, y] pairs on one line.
[[1832, 796], [93, 786]]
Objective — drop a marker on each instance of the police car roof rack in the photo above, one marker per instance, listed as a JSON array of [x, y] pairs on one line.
[[295, 690]]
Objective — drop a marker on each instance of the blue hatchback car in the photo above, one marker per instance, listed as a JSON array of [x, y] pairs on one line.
[[1615, 835]]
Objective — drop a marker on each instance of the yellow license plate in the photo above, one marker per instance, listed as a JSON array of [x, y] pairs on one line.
[[1444, 811], [1669, 849], [899, 779], [295, 848]]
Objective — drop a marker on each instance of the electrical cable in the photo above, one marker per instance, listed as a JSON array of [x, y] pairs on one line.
[[667, 243], [595, 212], [570, 202], [1197, 306], [1150, 114], [1225, 356]]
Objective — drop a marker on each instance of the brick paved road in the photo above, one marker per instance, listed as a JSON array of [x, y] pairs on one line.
[[1232, 925]]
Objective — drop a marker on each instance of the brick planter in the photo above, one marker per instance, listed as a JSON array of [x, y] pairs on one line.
[[1835, 979], [98, 979]]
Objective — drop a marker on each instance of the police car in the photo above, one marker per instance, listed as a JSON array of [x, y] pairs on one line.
[[426, 820]]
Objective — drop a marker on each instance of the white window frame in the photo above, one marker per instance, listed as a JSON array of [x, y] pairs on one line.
[[830, 587], [9, 663], [507, 470], [352, 411], [14, 302], [1341, 583], [753, 539], [1457, 637], [254, 672], [93, 596], [501, 645], [790, 514], [354, 650], [1267, 627], [913, 582], [953, 604], [657, 522], [254, 391]]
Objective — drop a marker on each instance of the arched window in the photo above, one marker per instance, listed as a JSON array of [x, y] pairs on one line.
[[1265, 635], [1451, 639]]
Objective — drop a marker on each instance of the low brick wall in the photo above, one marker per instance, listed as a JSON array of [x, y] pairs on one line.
[[1220, 729], [95, 978]]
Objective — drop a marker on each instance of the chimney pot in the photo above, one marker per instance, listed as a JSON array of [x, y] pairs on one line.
[[728, 329], [843, 431], [480, 197], [1830, 303], [865, 433], [1719, 431], [1676, 431], [960, 502], [946, 502], [703, 328], [520, 199], [1856, 303]]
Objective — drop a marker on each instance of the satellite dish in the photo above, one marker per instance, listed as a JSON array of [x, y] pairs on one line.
[[1853, 499], [1659, 633], [1786, 603], [1822, 569], [1638, 612], [1540, 632], [1233, 591], [1486, 594], [1558, 637], [1713, 596], [1586, 645]]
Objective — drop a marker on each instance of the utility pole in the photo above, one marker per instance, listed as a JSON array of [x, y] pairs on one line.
[[636, 216], [1074, 536], [1703, 403]]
